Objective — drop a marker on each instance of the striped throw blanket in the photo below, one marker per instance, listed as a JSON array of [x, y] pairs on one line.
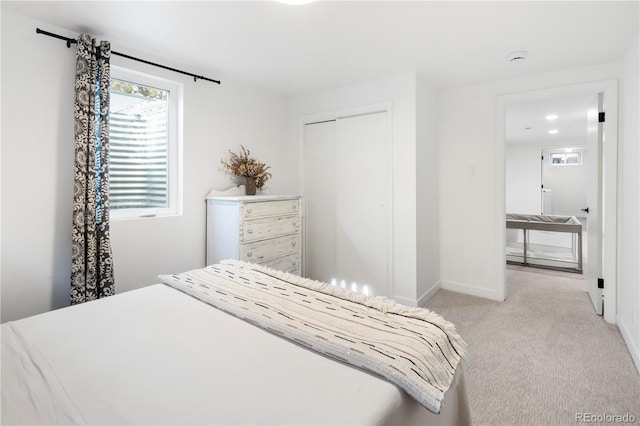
[[411, 347]]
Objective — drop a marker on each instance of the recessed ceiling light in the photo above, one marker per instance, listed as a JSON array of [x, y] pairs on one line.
[[518, 56], [527, 128], [552, 117], [568, 150], [553, 131]]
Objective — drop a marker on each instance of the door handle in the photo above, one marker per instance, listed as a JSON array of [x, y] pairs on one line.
[[585, 210]]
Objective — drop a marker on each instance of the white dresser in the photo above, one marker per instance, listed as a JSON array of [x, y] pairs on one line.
[[264, 229]]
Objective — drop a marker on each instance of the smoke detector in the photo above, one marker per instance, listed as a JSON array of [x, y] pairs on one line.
[[518, 56]]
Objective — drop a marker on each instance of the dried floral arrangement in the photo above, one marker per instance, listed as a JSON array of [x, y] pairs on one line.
[[243, 165]]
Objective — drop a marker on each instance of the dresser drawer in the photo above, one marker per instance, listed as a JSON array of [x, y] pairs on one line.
[[264, 229], [289, 263], [259, 251], [269, 208], [269, 227]]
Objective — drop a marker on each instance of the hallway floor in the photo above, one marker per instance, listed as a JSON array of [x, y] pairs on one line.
[[542, 356]]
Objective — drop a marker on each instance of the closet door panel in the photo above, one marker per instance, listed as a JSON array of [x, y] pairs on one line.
[[320, 200], [361, 195]]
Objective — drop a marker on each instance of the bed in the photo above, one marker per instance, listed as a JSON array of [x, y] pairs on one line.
[[158, 355]]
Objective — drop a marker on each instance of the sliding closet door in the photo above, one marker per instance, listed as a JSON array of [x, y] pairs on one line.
[[361, 194], [346, 170], [320, 200]]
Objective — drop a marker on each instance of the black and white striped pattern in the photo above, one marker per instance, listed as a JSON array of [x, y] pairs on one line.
[[411, 347]]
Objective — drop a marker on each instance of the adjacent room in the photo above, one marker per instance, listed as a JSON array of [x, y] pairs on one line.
[[546, 174], [320, 212]]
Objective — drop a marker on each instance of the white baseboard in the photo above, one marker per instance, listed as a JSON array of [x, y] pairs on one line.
[[427, 295], [471, 290], [422, 300], [452, 286], [406, 301], [626, 336]]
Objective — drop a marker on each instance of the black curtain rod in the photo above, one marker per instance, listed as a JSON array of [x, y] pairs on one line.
[[144, 61]]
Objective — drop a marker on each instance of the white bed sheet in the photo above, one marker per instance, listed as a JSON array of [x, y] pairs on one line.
[[158, 356]]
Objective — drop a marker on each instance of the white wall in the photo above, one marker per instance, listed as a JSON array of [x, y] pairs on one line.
[[568, 185], [37, 163], [629, 206], [522, 178], [471, 175], [427, 220], [400, 92]]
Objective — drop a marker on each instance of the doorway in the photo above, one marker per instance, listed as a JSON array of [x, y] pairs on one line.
[[546, 182], [604, 238]]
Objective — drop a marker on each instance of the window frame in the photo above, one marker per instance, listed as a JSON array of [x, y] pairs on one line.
[[174, 145], [563, 152]]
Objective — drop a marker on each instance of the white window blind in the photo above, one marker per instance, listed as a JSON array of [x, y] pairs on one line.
[[138, 155], [143, 148]]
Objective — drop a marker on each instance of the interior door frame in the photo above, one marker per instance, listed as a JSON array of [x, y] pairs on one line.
[[542, 209], [610, 176], [332, 115]]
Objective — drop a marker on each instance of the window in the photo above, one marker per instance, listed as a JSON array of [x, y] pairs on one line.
[[145, 145], [566, 157]]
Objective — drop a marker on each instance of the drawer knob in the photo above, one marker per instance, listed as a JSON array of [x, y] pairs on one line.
[[249, 231], [293, 206], [293, 243], [248, 211], [249, 254], [294, 263]]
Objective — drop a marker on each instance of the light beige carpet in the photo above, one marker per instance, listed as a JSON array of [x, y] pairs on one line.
[[543, 355]]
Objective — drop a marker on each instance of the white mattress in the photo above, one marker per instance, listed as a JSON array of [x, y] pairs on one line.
[[158, 356]]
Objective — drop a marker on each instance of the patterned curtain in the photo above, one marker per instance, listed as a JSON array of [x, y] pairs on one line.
[[92, 264]]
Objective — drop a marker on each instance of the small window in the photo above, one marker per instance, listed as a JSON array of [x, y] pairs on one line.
[[566, 158], [145, 162]]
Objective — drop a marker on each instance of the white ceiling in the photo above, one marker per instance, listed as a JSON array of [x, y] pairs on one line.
[[299, 49], [526, 122]]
